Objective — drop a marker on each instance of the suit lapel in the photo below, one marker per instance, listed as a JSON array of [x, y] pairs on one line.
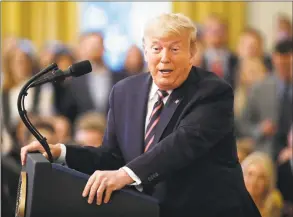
[[175, 99], [139, 109]]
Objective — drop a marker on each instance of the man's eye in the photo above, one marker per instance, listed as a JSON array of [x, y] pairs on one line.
[[175, 49], [156, 48]]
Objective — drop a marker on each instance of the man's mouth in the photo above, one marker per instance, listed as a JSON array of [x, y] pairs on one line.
[[166, 71]]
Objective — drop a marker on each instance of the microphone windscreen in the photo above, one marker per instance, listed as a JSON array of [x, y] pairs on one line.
[[81, 68]]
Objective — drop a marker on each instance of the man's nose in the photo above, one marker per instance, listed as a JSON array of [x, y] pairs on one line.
[[165, 56]]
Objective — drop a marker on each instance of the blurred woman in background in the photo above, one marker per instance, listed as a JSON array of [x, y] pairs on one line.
[[260, 181], [251, 71], [23, 65], [250, 45]]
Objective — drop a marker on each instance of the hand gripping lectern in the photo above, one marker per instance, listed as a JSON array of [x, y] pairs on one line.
[[52, 190]]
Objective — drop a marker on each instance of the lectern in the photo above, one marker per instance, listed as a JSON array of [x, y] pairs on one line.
[[52, 190]]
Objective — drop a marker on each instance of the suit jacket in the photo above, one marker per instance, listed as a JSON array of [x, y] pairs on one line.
[[263, 103], [193, 168]]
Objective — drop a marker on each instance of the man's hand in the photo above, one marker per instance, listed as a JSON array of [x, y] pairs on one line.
[[285, 155], [36, 146], [105, 181]]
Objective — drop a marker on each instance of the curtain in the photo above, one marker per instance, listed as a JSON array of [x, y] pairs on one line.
[[233, 12], [40, 21]]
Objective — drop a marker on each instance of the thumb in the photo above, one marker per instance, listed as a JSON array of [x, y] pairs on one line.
[[45, 155]]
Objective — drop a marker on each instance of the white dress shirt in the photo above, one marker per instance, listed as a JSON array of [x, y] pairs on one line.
[[153, 97]]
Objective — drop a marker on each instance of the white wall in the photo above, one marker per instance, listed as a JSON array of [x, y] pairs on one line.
[[262, 15]]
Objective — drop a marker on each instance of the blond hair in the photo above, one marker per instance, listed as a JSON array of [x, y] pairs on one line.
[[171, 23], [271, 198], [91, 121]]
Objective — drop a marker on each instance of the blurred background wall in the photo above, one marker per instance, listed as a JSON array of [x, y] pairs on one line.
[[262, 15], [41, 21]]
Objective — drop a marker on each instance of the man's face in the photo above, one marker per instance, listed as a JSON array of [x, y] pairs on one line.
[[249, 46], [169, 59], [22, 66], [214, 33], [283, 64], [91, 48]]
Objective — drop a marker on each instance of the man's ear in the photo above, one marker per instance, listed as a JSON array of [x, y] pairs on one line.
[[144, 49], [145, 53], [193, 51]]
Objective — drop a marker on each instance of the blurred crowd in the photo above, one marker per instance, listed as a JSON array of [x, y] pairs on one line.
[[74, 111]]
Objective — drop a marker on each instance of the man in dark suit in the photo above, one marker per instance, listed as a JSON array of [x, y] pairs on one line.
[[81, 95], [170, 133], [217, 57]]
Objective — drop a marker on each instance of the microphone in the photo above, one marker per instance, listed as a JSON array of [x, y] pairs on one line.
[[75, 70]]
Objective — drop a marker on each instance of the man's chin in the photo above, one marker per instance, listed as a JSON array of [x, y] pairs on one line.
[[164, 84]]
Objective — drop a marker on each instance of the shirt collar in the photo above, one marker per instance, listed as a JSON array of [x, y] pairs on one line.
[[154, 89]]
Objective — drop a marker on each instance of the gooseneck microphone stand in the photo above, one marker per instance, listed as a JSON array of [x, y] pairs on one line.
[[23, 113]]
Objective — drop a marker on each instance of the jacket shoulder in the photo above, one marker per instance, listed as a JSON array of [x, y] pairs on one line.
[[211, 83], [132, 81]]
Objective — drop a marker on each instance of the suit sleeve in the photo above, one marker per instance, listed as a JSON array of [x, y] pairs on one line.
[[209, 120], [106, 157]]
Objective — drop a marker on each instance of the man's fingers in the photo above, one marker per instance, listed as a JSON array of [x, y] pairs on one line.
[[46, 155], [88, 185], [93, 191], [23, 153], [100, 192], [34, 146], [108, 194]]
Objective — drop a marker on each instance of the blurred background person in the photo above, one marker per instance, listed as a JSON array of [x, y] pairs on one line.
[[268, 110], [91, 91], [250, 45], [64, 57], [90, 128], [8, 46], [260, 180], [134, 62], [251, 71], [217, 57], [23, 65], [63, 128], [46, 129], [285, 175], [283, 28], [47, 53]]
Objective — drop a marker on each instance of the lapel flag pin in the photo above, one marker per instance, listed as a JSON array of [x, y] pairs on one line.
[[177, 101]]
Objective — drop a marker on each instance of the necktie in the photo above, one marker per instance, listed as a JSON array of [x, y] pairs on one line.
[[217, 67], [154, 119]]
